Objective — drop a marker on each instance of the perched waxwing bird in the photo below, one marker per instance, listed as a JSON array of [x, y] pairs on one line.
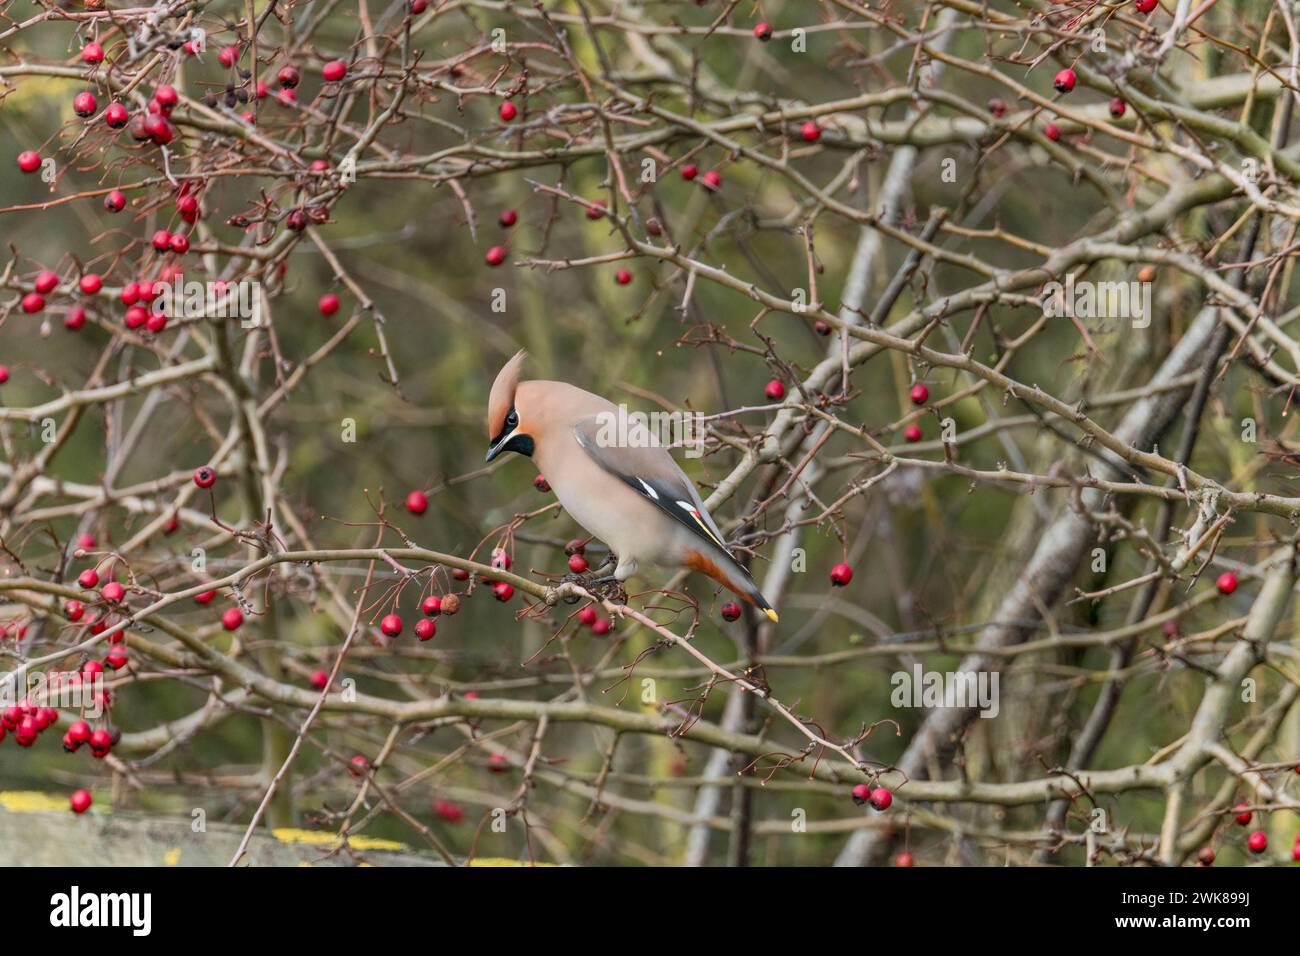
[[614, 478]]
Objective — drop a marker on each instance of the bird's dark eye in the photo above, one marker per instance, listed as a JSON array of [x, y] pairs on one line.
[[512, 419]]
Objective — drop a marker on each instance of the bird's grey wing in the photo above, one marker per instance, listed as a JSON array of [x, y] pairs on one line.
[[629, 451]]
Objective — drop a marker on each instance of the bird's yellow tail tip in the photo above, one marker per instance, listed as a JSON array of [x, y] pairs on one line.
[[771, 615]]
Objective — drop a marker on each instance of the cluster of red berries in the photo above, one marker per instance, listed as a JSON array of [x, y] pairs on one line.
[[27, 721], [100, 741], [880, 798], [588, 617]]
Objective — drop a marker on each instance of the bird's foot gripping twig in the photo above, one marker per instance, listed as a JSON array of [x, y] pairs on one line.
[[607, 587]]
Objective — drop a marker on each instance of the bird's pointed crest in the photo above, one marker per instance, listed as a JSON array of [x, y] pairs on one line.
[[502, 397]]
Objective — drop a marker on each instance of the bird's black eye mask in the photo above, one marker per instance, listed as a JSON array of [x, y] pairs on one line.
[[510, 439]]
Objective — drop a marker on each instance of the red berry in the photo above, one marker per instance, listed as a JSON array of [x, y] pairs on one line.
[[159, 130], [577, 563], [1146, 6], [116, 657], [460, 574], [4, 374], [861, 793], [166, 97], [115, 201], [1052, 132], [112, 592], [84, 104], [431, 606], [1257, 841], [204, 476], [596, 210], [763, 31], [74, 611], [334, 70], [88, 578], [1064, 81], [622, 277], [227, 56], [288, 77], [1244, 814], [903, 859], [205, 597], [75, 318], [500, 559], [46, 281], [541, 484], [329, 304], [425, 629], [417, 502], [712, 180], [731, 611], [841, 575], [998, 107], [419, 6], [29, 160], [881, 798], [391, 625], [919, 394], [447, 810], [579, 546], [601, 626], [91, 283], [296, 220], [136, 316], [116, 116], [80, 801], [495, 256], [774, 390], [497, 763], [1118, 108], [33, 302], [232, 619], [287, 96], [180, 244], [358, 766], [690, 171], [587, 616], [162, 240], [508, 218], [78, 732], [810, 131], [507, 111], [101, 742], [92, 53], [130, 294], [188, 207], [320, 679], [912, 432], [1226, 582], [503, 591]]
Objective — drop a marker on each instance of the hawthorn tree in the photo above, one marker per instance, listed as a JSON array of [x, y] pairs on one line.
[[984, 310]]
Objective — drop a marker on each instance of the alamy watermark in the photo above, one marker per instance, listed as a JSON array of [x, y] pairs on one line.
[[977, 690], [626, 429], [1085, 299], [219, 300], [62, 690]]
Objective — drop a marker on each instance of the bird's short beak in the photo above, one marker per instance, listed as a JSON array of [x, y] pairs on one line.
[[494, 450]]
